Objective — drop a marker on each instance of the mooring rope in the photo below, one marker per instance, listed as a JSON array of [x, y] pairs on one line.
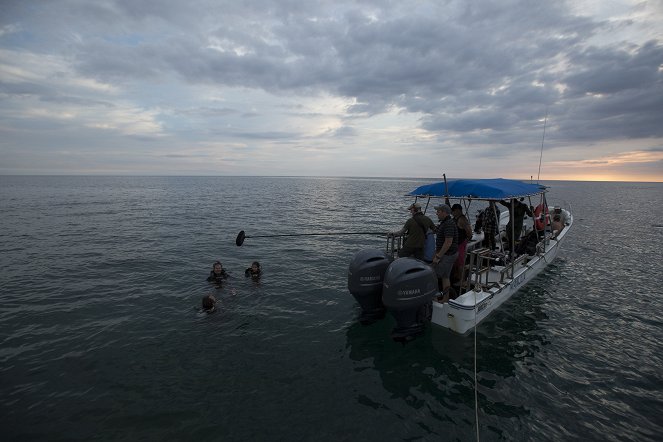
[[476, 395]]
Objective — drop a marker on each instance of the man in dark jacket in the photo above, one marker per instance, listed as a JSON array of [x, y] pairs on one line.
[[415, 228]]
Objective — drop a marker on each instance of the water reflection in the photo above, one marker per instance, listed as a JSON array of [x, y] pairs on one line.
[[435, 373], [512, 335]]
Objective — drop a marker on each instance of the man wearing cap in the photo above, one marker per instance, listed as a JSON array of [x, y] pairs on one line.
[[446, 248], [415, 228]]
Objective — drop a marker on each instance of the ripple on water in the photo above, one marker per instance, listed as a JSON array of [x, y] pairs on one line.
[[102, 334]]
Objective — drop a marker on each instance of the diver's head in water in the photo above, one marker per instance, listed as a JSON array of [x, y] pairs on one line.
[[209, 303]]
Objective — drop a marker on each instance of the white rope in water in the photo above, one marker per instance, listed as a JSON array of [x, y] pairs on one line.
[[476, 395]]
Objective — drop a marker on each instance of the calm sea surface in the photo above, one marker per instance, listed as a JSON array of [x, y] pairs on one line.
[[101, 337]]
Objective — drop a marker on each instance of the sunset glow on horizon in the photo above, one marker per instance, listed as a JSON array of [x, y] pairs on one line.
[[340, 88]]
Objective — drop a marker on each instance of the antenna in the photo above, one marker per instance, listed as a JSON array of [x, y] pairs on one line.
[[545, 121]]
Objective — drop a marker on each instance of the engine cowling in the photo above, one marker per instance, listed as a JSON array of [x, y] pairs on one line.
[[365, 278], [409, 288]]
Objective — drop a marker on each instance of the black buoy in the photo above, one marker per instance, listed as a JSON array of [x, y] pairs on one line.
[[240, 238]]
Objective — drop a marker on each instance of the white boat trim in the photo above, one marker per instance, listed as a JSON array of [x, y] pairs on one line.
[[472, 307]]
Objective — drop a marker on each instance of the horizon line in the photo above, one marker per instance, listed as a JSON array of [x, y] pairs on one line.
[[304, 176]]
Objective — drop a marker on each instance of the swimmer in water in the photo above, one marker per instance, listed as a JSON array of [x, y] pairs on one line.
[[209, 303], [217, 275], [253, 271]]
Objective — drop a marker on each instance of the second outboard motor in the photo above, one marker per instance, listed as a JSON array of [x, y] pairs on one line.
[[409, 288], [365, 277]]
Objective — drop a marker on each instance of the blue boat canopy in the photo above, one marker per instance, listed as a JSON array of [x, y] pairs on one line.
[[488, 189]]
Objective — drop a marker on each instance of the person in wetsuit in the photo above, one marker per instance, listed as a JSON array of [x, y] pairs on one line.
[[209, 303], [217, 275], [253, 271]]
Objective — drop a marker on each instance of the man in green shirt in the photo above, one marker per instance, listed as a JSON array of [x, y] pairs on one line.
[[415, 228]]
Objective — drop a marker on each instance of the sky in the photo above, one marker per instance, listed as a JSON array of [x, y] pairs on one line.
[[376, 88]]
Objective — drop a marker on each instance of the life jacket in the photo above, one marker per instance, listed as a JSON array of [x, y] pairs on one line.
[[541, 220]]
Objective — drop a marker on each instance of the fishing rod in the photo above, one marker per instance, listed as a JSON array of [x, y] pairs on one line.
[[545, 121], [242, 236]]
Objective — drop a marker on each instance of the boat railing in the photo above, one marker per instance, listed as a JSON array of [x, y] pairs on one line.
[[479, 267], [482, 263], [394, 244], [485, 268]]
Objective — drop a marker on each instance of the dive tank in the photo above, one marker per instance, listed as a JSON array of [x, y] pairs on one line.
[[409, 288], [365, 277]]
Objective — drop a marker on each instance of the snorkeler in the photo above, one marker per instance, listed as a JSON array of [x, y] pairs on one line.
[[217, 275], [209, 303], [253, 271]]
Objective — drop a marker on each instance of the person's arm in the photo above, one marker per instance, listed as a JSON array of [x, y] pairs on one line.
[[431, 225], [400, 232], [465, 224]]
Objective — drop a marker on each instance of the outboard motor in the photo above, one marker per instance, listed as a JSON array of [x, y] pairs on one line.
[[409, 288], [365, 277]]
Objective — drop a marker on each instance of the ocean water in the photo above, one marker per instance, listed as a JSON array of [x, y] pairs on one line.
[[101, 337]]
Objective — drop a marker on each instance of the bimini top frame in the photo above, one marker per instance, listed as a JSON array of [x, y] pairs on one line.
[[494, 189]]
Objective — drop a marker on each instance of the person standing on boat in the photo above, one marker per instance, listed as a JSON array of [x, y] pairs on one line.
[[490, 221], [464, 235], [557, 225], [446, 248], [415, 228], [517, 211]]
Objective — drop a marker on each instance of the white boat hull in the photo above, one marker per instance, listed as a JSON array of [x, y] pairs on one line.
[[469, 309]]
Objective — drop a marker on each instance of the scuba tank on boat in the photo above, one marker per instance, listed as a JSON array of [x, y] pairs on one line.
[[365, 278], [409, 288], [429, 246]]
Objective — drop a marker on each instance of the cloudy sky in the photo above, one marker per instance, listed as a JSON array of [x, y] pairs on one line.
[[333, 88]]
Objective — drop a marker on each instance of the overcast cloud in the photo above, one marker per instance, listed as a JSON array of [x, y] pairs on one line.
[[340, 88]]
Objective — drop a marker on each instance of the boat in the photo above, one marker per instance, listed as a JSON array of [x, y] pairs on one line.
[[407, 288]]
